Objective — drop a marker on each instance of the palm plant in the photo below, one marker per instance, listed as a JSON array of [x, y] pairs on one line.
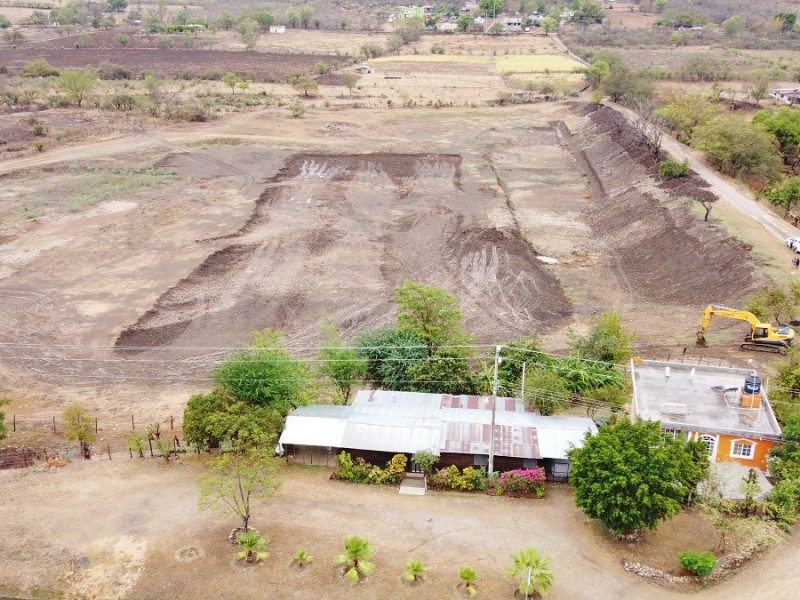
[[302, 557], [537, 578], [355, 559], [468, 575], [253, 546], [414, 571]]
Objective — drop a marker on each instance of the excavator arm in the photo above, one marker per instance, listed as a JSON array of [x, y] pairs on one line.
[[720, 311]]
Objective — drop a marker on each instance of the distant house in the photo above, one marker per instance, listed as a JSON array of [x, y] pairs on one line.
[[512, 24], [363, 69], [380, 424], [410, 12], [727, 409], [470, 7], [787, 96], [427, 10], [446, 26], [277, 29]]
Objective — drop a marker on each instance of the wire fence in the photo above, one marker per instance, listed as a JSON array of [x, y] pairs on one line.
[[135, 436]]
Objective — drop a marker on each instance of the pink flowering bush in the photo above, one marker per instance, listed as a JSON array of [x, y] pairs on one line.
[[522, 481]]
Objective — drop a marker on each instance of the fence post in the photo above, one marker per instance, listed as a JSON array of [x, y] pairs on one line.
[[15, 423], [54, 425], [95, 425], [24, 458], [133, 425], [170, 422], [108, 447]]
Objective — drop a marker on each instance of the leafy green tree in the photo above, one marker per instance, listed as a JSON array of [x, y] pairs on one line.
[[523, 351], [491, 7], [78, 425], [76, 84], [253, 546], [343, 366], [414, 570], [626, 86], [784, 460], [630, 476], [546, 391], [588, 12], [784, 390], [468, 576], [390, 353], [597, 72], [784, 125], [738, 148], [232, 79], [548, 25], [775, 302], [3, 429], [533, 570], [349, 80], [430, 313], [248, 33], [607, 342], [733, 26], [759, 89], [684, 112], [262, 17], [39, 67], [447, 371], [355, 560], [133, 16], [305, 14], [4, 22], [306, 85], [264, 375], [464, 21], [291, 17], [226, 20], [117, 5], [235, 479]]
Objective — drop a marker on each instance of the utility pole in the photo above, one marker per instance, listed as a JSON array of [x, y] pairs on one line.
[[494, 408], [522, 389]]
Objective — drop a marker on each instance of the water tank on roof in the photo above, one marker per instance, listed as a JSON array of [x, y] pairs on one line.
[[752, 384]]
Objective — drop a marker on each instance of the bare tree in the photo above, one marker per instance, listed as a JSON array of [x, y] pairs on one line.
[[648, 128]]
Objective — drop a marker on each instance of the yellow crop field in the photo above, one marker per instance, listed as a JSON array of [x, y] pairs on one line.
[[536, 63], [434, 58]]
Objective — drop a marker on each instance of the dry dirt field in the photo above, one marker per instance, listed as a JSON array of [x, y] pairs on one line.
[[131, 529], [133, 259]]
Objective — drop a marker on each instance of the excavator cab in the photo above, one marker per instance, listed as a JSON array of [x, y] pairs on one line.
[[760, 332]]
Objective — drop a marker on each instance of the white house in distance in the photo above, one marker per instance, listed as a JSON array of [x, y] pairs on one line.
[[464, 431]]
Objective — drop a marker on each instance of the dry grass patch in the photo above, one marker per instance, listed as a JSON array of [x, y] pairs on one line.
[[435, 58], [536, 63]]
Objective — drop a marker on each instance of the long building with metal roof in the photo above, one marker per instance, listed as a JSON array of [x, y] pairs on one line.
[[462, 430]]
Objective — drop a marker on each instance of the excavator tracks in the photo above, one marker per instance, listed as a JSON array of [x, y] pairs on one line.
[[763, 348]]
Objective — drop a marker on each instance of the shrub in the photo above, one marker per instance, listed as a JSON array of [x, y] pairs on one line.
[[436, 49], [671, 169], [699, 563], [108, 71], [522, 481], [39, 145], [469, 480], [360, 471], [39, 67]]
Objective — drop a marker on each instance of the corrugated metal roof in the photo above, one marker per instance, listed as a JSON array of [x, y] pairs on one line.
[[388, 421]]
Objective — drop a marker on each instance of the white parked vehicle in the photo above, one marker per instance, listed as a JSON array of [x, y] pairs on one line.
[[794, 243]]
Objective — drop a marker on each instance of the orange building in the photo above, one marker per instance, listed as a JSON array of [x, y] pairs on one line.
[[728, 409]]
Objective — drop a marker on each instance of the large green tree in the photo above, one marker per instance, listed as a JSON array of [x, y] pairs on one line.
[[389, 354], [775, 302], [784, 389], [264, 374], [447, 371], [430, 313], [784, 125], [738, 148], [630, 476]]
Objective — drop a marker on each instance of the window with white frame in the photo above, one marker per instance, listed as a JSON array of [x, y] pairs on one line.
[[710, 442], [742, 449]]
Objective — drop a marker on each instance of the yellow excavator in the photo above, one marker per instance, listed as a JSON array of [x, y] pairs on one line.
[[763, 336]]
